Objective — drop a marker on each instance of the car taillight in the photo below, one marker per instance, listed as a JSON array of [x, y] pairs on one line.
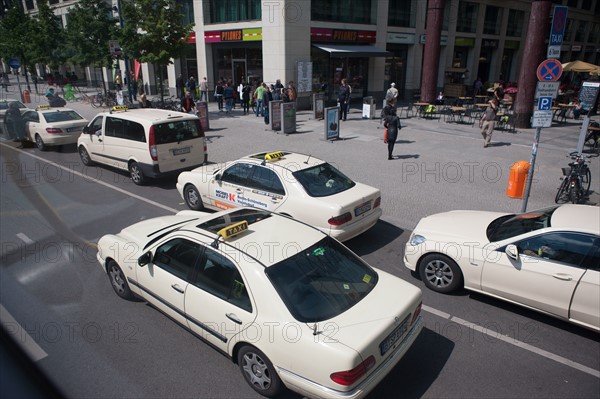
[[416, 313], [349, 377], [53, 130], [152, 145], [377, 202], [339, 220]]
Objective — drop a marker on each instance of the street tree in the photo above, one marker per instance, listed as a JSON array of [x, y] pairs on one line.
[[90, 27], [15, 26], [153, 32], [47, 37]]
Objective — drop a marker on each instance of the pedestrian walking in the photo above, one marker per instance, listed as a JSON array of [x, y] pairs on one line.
[[246, 98], [392, 124], [118, 81], [204, 90], [391, 96], [190, 86], [258, 93], [228, 96], [291, 91], [219, 95], [187, 103], [179, 86], [344, 99], [486, 124]]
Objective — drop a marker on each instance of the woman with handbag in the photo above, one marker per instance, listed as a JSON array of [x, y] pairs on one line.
[[392, 125]]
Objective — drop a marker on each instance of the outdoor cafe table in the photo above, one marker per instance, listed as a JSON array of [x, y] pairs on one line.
[[457, 114], [421, 108]]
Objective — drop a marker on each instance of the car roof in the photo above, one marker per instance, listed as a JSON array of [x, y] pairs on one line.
[[269, 238], [288, 160], [151, 115], [577, 217]]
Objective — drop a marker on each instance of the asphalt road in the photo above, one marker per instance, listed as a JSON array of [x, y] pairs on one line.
[[93, 344]]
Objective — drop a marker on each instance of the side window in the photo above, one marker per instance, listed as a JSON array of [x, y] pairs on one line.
[[96, 125], [570, 248], [134, 131], [178, 257], [238, 174], [220, 277], [592, 261], [114, 127], [31, 116], [267, 180]]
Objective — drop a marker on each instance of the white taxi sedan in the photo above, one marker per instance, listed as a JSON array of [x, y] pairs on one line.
[[546, 260], [47, 126], [289, 304], [297, 185]]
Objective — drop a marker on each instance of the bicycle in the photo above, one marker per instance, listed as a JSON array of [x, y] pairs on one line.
[[592, 139], [577, 179], [102, 99]]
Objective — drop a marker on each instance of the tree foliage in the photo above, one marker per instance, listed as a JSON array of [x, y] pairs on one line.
[[153, 31], [14, 31], [47, 37]]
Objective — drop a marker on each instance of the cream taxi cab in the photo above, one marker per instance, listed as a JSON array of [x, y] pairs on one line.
[[149, 143], [297, 185], [292, 306], [46, 126], [547, 260]]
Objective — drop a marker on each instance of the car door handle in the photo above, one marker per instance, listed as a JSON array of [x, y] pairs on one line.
[[234, 318], [562, 276], [177, 288], [239, 190]]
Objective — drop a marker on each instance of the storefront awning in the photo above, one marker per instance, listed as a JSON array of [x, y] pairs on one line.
[[342, 51]]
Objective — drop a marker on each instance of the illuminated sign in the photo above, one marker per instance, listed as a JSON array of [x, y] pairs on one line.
[[231, 35]]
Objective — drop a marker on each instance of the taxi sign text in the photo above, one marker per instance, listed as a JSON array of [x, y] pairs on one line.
[[274, 155], [233, 229]]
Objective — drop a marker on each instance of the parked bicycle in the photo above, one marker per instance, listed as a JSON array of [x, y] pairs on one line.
[[592, 138], [576, 181]]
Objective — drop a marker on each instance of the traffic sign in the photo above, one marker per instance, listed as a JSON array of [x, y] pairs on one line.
[[546, 89], [549, 70], [559, 23], [542, 118], [14, 63], [545, 103], [553, 52]]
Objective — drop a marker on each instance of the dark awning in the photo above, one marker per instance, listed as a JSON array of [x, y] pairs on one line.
[[342, 51]]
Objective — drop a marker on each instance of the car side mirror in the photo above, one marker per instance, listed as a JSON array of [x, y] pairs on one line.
[[145, 259], [512, 252], [218, 177], [86, 129]]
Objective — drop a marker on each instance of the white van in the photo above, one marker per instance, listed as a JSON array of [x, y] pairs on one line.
[[149, 143]]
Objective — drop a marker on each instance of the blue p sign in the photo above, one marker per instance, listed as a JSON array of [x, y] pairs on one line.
[[545, 103]]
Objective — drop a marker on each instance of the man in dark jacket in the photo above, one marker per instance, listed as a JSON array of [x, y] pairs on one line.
[[187, 103], [392, 124], [344, 99]]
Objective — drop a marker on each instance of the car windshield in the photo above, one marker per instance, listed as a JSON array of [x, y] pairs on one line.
[[513, 225], [62, 116], [323, 180], [175, 132], [322, 281]]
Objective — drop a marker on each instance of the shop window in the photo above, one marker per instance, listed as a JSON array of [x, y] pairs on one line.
[[347, 11], [515, 23], [467, 22], [402, 13], [580, 32], [493, 16], [219, 11]]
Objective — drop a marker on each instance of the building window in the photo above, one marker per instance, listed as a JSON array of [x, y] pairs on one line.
[[594, 34], [586, 4], [568, 31], [219, 11], [580, 32], [572, 3], [349, 11], [493, 15], [515, 23], [187, 11], [401, 13], [52, 1], [467, 21], [29, 4]]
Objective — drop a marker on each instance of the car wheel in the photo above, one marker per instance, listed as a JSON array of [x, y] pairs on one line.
[[136, 174], [40, 143], [440, 273], [118, 280], [259, 372], [85, 157], [192, 198]]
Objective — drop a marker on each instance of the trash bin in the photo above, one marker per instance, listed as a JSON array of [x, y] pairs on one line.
[[26, 97], [368, 108], [517, 179]]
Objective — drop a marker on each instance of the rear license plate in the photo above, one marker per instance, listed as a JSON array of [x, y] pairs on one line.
[[394, 336], [179, 151], [362, 208]]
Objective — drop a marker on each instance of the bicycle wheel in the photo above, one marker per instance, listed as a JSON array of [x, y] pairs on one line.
[[586, 180], [561, 190], [97, 100]]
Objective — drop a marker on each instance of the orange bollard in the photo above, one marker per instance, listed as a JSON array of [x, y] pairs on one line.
[[26, 97], [517, 179]]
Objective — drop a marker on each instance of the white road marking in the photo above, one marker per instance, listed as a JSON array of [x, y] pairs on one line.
[[513, 341], [25, 239], [21, 337]]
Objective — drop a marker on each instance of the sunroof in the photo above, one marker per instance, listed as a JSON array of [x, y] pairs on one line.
[[249, 215]]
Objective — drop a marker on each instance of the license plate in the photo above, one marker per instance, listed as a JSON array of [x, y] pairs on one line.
[[394, 336], [179, 151], [362, 208]]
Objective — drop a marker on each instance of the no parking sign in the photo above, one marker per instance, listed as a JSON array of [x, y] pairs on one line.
[[549, 70]]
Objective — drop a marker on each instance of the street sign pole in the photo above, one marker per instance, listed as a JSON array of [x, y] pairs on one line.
[[536, 141]]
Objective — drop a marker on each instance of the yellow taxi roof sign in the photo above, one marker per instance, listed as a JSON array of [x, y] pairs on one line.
[[233, 229], [120, 108], [41, 107], [272, 156]]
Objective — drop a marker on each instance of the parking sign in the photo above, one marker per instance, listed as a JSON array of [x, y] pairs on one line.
[[545, 103]]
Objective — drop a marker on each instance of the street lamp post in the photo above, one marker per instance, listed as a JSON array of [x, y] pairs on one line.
[[125, 58]]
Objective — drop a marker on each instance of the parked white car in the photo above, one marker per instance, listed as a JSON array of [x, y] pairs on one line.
[[297, 185], [547, 260], [292, 306], [47, 126]]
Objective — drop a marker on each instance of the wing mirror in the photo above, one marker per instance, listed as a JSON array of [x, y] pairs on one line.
[[86, 129], [218, 177], [512, 251], [145, 259]]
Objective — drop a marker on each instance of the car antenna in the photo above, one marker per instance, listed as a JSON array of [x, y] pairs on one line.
[[315, 327], [306, 162]]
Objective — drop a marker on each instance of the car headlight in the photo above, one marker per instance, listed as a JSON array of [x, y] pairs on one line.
[[416, 239]]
